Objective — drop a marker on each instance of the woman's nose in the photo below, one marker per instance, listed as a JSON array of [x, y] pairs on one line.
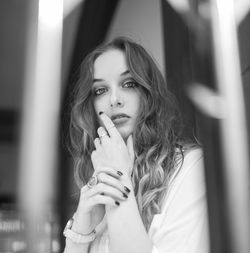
[[116, 99]]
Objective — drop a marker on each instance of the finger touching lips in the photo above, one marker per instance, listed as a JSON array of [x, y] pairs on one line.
[[109, 125]]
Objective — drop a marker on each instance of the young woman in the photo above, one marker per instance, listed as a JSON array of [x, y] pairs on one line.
[[142, 185]]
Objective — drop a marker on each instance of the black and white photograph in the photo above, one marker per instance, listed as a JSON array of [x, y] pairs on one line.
[[124, 126]]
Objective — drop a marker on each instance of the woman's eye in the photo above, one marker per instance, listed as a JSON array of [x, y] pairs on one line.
[[99, 91], [130, 84]]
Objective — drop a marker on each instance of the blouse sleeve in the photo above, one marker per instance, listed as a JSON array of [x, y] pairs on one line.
[[182, 225]]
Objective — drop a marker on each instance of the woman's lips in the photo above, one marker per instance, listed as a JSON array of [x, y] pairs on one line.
[[120, 119]]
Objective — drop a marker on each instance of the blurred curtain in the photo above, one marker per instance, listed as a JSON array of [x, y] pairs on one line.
[[189, 60]]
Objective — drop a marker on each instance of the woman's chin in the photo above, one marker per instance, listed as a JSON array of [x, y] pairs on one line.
[[125, 133], [124, 136]]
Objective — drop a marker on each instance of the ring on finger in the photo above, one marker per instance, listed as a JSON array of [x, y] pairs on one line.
[[97, 141], [102, 135], [93, 181]]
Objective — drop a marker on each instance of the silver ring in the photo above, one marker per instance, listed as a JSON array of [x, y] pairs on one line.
[[93, 181], [102, 135]]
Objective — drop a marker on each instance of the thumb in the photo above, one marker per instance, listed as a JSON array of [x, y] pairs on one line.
[[130, 147]]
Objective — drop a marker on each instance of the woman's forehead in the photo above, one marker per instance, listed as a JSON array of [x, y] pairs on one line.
[[110, 62]]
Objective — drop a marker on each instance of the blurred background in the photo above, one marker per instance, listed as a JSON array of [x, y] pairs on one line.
[[41, 47]]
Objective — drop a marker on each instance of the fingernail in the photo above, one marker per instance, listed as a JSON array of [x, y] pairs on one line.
[[126, 189], [119, 173], [125, 195], [117, 203], [102, 193], [100, 113]]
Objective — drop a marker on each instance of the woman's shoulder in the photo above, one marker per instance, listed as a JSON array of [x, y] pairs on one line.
[[192, 155], [182, 224], [186, 156], [188, 179], [191, 166]]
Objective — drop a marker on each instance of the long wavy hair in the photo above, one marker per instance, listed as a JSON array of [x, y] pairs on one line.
[[157, 135]]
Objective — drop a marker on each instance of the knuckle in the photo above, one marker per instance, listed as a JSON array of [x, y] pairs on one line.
[[101, 176]]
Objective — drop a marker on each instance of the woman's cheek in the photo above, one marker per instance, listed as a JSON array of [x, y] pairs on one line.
[[96, 107]]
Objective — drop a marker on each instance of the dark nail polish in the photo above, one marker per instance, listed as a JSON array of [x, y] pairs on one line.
[[119, 173], [100, 113], [125, 195], [117, 203], [126, 189], [102, 193]]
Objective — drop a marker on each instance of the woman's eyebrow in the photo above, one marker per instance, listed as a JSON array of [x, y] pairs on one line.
[[97, 80], [101, 80], [125, 73]]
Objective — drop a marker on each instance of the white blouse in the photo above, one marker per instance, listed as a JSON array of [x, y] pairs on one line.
[[182, 225]]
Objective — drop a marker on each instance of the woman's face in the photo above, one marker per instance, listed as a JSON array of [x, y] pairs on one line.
[[115, 92]]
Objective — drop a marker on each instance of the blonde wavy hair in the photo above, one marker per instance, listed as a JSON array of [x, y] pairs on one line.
[[157, 135]]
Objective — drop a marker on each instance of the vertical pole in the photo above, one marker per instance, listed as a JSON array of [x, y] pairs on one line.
[[38, 147], [233, 125]]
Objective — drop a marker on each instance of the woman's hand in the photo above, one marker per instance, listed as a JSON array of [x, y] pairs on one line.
[[111, 150], [113, 162], [108, 191]]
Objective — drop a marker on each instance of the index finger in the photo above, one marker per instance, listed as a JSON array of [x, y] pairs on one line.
[[109, 125]]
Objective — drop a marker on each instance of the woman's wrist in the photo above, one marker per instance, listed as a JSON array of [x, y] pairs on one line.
[[75, 237], [82, 223]]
